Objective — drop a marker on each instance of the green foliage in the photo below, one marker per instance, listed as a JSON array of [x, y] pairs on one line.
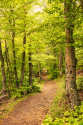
[[53, 69], [55, 73], [45, 38], [25, 89], [58, 107], [18, 93], [48, 120], [79, 82], [69, 118], [36, 88], [60, 114]]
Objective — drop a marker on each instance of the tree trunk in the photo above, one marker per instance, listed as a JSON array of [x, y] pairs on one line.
[[40, 74], [70, 60], [23, 61], [30, 69], [9, 71], [14, 55], [3, 71]]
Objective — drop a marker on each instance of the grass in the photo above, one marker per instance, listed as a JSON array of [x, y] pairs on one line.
[[58, 107]]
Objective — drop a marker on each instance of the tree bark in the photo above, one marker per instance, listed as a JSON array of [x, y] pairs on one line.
[[14, 55], [70, 60], [23, 61], [9, 70], [40, 73], [30, 69], [3, 71]]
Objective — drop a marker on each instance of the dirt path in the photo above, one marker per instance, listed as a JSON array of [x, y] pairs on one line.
[[33, 110]]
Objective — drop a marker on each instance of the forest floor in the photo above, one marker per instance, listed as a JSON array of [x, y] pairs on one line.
[[33, 110]]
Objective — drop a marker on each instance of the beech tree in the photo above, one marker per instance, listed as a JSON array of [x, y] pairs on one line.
[[3, 71], [70, 59]]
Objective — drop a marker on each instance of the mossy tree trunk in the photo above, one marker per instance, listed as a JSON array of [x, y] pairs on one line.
[[70, 60]]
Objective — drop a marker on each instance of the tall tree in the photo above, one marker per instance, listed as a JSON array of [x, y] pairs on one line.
[[23, 61], [30, 65], [24, 44], [70, 60], [14, 54], [9, 70], [3, 71]]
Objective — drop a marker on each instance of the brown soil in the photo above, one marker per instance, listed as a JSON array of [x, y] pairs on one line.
[[33, 110]]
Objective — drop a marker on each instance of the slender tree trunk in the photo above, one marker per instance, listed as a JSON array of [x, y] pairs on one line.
[[9, 71], [40, 75], [30, 69], [14, 55], [70, 60], [3, 71], [6, 53], [23, 54], [23, 62]]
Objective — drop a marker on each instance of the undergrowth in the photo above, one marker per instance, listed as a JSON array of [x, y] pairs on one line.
[[60, 113]]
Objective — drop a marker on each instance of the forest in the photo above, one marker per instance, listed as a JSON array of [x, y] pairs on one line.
[[41, 50]]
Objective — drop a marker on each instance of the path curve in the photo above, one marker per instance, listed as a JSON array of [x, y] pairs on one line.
[[33, 110]]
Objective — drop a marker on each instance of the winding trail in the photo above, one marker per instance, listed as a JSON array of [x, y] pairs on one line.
[[33, 110]]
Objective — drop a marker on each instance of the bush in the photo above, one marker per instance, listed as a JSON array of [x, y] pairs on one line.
[[36, 88], [55, 73], [17, 93]]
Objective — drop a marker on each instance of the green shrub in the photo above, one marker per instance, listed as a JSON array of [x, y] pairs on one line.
[[55, 73], [18, 93], [36, 88]]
